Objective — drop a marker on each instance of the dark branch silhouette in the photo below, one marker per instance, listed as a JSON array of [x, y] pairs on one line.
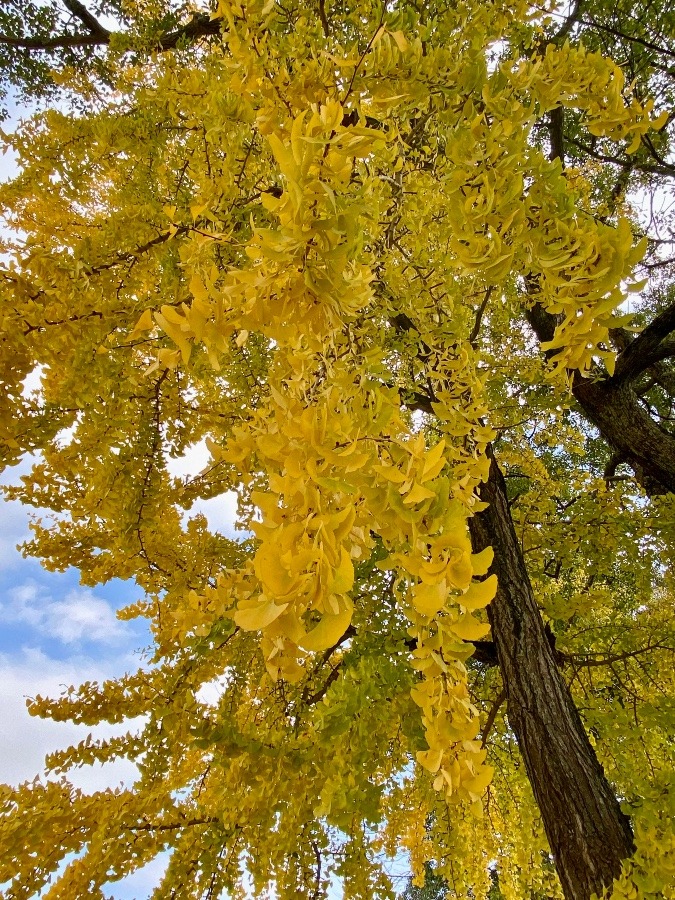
[[199, 26]]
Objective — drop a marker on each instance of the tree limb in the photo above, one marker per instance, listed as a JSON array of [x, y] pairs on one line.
[[646, 349], [556, 123], [586, 661], [613, 407], [317, 876], [62, 42], [200, 25], [569, 23], [492, 715], [650, 45], [88, 20], [475, 331], [632, 165]]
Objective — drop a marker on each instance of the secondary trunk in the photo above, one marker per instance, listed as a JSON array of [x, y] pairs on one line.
[[588, 834]]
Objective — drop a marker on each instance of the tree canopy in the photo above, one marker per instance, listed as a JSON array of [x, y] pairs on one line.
[[388, 263]]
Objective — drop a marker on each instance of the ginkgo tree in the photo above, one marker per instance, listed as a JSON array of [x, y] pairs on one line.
[[376, 257]]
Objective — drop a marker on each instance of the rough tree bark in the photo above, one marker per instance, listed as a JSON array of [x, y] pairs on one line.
[[588, 834], [613, 407]]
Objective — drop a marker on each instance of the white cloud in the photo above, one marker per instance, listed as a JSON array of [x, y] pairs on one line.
[[13, 531], [15, 516], [24, 740], [220, 512], [210, 693], [32, 383], [192, 462], [78, 616]]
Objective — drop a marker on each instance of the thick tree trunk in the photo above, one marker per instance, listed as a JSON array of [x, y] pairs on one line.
[[587, 832]]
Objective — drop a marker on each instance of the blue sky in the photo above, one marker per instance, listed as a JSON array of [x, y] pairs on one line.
[[54, 633]]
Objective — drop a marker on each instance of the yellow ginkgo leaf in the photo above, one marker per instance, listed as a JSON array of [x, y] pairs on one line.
[[480, 781], [430, 759], [329, 630], [479, 594], [429, 599], [258, 615], [433, 461], [343, 577], [469, 629], [460, 570], [391, 473], [481, 562], [145, 323], [418, 494]]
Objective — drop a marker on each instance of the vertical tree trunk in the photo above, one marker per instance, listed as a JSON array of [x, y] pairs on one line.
[[587, 832]]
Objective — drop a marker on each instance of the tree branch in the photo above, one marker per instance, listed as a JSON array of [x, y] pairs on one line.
[[646, 349], [492, 715], [484, 653], [324, 19], [61, 42], [173, 826], [317, 876], [631, 165], [587, 661], [633, 39], [661, 374], [88, 20], [201, 25], [556, 124], [615, 410], [475, 331], [569, 23]]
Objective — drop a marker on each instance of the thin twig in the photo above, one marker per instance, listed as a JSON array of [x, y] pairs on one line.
[[317, 888]]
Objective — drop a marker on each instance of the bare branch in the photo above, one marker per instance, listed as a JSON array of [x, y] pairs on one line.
[[317, 877], [492, 715], [587, 661], [88, 20], [201, 25], [479, 316], [632, 165]]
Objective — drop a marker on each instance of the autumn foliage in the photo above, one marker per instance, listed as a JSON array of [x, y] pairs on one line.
[[334, 242]]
